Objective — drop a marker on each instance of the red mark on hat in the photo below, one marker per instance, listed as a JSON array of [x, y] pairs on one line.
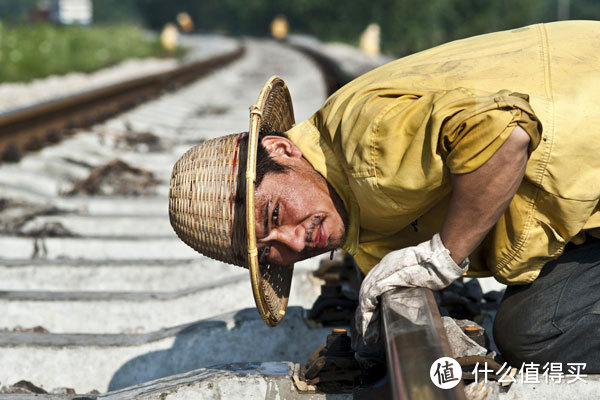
[[231, 198]]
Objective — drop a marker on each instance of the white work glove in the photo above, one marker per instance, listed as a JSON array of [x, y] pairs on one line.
[[426, 265]]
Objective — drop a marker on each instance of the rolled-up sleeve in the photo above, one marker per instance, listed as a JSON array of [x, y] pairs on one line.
[[473, 126], [406, 145]]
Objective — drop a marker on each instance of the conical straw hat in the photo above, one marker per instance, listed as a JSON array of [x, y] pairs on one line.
[[211, 199]]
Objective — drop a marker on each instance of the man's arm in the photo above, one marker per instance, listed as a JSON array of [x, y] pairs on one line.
[[480, 197], [478, 200]]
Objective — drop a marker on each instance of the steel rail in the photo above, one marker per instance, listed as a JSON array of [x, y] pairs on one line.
[[415, 339], [32, 127]]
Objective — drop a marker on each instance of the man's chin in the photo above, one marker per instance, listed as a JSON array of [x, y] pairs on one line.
[[328, 249], [313, 253]]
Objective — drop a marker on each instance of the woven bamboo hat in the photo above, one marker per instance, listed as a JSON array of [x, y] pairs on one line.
[[211, 199]]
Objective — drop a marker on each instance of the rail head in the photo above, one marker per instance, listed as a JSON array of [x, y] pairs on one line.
[[415, 339]]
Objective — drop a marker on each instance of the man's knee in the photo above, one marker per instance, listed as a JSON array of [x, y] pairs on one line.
[[510, 336], [521, 328], [516, 344]]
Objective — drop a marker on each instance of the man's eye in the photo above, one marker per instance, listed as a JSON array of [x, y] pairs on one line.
[[276, 215]]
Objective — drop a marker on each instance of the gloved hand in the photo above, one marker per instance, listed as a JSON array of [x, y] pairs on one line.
[[426, 265]]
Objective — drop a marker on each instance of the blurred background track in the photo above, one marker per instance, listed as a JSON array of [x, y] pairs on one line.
[[96, 290]]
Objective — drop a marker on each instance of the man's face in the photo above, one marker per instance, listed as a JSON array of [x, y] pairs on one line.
[[298, 215]]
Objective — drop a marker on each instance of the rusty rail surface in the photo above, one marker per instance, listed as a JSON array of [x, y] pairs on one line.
[[415, 338], [32, 127]]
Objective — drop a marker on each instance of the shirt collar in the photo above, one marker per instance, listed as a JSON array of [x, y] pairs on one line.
[[316, 149]]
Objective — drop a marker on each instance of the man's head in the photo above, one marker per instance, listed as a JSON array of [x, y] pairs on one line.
[[224, 186], [298, 214]]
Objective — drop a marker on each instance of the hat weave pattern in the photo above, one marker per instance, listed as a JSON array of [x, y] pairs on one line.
[[277, 115], [202, 197]]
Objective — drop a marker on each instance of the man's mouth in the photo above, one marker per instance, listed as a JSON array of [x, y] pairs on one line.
[[320, 237]]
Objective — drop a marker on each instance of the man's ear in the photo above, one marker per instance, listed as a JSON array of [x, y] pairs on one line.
[[281, 146]]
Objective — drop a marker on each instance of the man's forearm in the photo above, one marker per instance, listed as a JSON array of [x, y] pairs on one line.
[[480, 197]]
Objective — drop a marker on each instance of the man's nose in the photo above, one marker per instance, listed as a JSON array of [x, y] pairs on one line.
[[292, 237]]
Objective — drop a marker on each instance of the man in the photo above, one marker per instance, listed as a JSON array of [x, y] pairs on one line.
[[478, 157]]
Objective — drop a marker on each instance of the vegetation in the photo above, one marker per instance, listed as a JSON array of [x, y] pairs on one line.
[[31, 51], [407, 26]]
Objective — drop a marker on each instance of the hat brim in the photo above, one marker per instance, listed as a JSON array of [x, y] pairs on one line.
[[273, 112]]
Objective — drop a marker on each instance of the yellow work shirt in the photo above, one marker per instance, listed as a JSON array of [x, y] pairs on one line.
[[389, 141]]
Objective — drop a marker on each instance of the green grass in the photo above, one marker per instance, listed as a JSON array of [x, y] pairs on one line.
[[29, 51]]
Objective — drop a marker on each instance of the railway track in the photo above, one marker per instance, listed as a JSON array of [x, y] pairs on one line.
[[413, 345], [97, 292], [31, 128]]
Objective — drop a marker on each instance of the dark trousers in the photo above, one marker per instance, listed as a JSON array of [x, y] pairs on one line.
[[556, 318]]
